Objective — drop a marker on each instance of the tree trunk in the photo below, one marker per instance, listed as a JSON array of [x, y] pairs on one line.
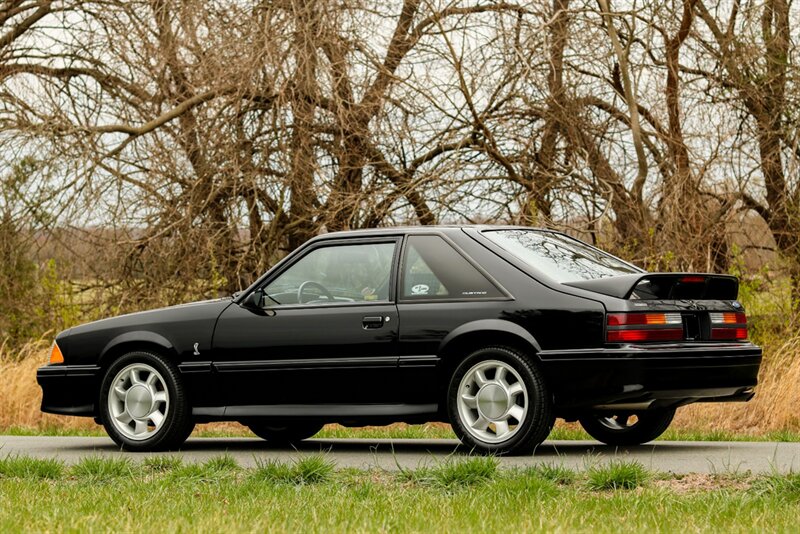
[[302, 225]]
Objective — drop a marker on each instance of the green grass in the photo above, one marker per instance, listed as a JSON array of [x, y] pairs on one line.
[[310, 495], [224, 466], [51, 431], [787, 485], [221, 464], [390, 432], [30, 468], [99, 469], [617, 474], [311, 469], [552, 472], [453, 472], [162, 464]]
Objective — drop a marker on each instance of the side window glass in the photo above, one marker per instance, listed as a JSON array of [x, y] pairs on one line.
[[432, 269], [334, 275]]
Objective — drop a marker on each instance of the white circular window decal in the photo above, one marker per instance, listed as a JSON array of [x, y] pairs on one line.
[[420, 289]]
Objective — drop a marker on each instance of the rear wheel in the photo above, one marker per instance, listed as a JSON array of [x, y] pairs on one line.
[[143, 406], [627, 428], [284, 434], [498, 402]]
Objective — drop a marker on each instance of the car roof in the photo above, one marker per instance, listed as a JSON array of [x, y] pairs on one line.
[[401, 230]]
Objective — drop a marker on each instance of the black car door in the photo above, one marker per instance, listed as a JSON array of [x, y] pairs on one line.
[[327, 333]]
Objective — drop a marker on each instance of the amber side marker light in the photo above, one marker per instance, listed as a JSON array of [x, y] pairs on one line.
[[55, 354]]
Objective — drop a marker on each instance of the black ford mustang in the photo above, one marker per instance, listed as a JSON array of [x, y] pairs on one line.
[[498, 330]]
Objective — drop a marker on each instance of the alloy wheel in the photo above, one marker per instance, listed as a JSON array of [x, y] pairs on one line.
[[492, 401], [138, 401]]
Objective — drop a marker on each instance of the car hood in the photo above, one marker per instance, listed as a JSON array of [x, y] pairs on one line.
[[211, 307]]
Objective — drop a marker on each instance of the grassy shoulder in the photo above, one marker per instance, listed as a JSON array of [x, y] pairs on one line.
[[426, 431], [311, 495]]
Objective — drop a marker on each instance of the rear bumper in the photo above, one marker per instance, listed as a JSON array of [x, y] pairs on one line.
[[651, 376], [69, 389]]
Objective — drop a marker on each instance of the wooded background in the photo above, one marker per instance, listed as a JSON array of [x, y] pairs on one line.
[[157, 151]]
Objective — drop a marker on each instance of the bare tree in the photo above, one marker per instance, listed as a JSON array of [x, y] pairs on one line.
[[752, 49], [208, 138]]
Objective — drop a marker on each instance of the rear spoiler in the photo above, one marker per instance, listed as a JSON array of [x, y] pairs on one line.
[[664, 286]]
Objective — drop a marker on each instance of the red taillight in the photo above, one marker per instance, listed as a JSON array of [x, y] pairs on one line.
[[635, 327], [728, 326], [729, 333], [692, 279], [623, 319], [661, 334]]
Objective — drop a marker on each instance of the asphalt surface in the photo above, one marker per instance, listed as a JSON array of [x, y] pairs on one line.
[[667, 456]]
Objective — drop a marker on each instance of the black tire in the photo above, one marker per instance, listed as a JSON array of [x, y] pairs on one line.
[[615, 430], [188, 431], [284, 433], [538, 420], [178, 423]]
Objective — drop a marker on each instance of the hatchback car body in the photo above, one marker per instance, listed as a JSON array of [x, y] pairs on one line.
[[497, 330]]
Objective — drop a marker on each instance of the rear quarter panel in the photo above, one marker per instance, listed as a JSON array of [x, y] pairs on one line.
[[555, 320]]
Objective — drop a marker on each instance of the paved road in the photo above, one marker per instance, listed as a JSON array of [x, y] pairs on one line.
[[670, 456]]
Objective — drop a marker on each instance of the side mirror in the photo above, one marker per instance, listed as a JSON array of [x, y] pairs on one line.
[[255, 300]]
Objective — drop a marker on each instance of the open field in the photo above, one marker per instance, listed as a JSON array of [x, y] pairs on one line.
[[312, 495]]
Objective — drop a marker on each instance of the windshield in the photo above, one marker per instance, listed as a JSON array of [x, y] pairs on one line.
[[560, 257]]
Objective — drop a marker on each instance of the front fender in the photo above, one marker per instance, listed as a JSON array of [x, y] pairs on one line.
[[136, 336]]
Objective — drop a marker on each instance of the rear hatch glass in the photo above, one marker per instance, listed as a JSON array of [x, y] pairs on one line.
[[559, 256]]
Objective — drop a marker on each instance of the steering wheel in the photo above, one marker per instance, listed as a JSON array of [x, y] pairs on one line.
[[310, 283]]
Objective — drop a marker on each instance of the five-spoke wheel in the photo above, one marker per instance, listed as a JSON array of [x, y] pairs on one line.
[[143, 404], [493, 401], [138, 401], [498, 402]]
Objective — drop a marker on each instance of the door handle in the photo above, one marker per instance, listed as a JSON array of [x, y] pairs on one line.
[[372, 322]]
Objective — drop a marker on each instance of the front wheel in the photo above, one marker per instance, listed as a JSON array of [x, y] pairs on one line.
[[627, 428], [143, 405], [498, 402]]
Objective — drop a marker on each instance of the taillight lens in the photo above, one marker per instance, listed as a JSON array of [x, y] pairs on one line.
[[728, 326], [622, 319], [637, 327]]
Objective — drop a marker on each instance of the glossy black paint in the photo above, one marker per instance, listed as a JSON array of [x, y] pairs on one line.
[[379, 362]]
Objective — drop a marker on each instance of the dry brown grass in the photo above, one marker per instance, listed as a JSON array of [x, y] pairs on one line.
[[20, 395], [774, 407], [702, 482]]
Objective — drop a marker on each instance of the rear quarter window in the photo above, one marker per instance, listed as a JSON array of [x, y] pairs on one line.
[[434, 270]]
